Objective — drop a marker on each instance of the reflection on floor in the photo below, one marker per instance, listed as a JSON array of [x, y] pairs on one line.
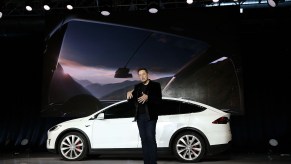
[[49, 158]]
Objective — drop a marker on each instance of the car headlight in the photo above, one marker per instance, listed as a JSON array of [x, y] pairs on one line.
[[56, 127]]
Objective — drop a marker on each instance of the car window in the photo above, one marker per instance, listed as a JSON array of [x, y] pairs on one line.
[[169, 107], [190, 108], [123, 110]]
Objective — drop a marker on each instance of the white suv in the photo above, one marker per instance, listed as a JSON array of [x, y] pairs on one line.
[[188, 129]]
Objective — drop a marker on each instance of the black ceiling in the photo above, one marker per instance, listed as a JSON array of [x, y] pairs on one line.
[[17, 21], [12, 8]]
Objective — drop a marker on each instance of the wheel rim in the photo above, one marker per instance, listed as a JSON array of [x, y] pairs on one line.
[[188, 147], [72, 146]]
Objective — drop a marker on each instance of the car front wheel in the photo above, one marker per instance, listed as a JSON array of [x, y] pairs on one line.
[[73, 146], [189, 147]]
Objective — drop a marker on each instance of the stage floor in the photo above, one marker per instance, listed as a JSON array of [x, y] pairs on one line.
[[233, 158]]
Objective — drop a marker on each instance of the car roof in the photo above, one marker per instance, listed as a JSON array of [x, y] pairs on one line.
[[164, 98]]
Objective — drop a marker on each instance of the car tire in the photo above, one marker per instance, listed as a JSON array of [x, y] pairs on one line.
[[73, 146], [189, 147]]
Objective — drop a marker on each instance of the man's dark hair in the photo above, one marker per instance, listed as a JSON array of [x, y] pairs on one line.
[[146, 70]]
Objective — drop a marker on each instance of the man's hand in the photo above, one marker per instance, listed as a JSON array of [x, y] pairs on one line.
[[142, 99], [129, 94]]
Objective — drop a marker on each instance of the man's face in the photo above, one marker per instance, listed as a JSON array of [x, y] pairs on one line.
[[143, 76]]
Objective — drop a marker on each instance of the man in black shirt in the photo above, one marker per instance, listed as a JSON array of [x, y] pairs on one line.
[[146, 97]]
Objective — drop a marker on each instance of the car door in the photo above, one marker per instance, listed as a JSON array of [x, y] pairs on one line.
[[168, 122], [117, 129]]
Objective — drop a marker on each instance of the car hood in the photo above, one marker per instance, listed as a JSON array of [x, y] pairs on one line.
[[73, 120]]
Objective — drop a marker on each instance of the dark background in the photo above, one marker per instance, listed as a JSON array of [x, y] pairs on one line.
[[262, 36]]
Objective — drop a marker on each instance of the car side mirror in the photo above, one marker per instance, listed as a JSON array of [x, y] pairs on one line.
[[100, 116]]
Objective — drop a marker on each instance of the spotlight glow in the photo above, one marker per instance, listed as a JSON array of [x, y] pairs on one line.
[[46, 7], [272, 3], [28, 8], [273, 142], [105, 13], [69, 7], [153, 10], [189, 1]]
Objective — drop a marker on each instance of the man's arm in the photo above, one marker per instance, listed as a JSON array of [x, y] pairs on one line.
[[129, 94]]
